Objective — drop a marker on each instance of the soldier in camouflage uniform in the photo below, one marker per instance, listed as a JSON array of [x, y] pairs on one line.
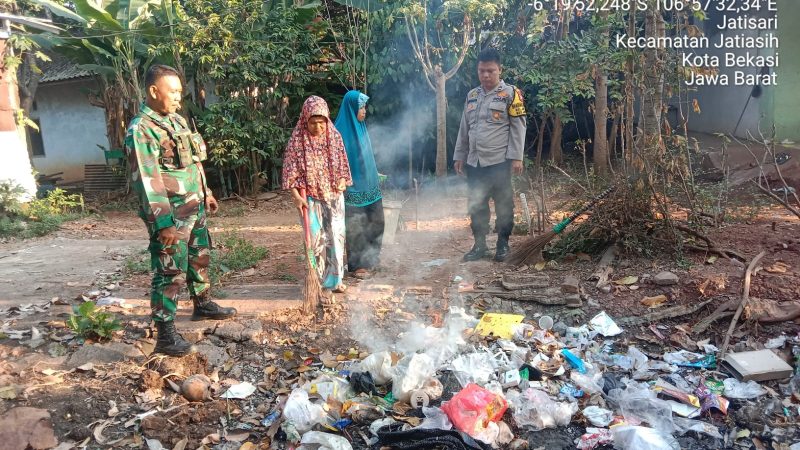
[[165, 160]]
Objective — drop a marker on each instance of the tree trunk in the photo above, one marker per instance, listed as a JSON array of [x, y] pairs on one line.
[[28, 80], [441, 124], [540, 141], [653, 92], [612, 136], [627, 144], [600, 142], [556, 154]]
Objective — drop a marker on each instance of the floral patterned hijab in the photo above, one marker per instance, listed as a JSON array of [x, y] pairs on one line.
[[315, 164]]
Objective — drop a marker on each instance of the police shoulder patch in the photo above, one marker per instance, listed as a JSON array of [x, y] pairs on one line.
[[517, 107]]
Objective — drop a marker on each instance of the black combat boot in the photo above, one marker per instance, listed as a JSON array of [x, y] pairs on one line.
[[479, 250], [169, 342], [502, 249], [205, 309]]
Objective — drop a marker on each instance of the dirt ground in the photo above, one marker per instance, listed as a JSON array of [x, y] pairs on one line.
[[123, 396]]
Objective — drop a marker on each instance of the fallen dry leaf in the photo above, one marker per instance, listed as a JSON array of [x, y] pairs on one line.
[[172, 385], [627, 281], [540, 265], [211, 439], [237, 437], [248, 446], [778, 267], [8, 392], [654, 302], [113, 411], [97, 432], [181, 445]]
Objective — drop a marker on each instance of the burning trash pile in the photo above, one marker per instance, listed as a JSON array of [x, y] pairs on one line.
[[494, 383]]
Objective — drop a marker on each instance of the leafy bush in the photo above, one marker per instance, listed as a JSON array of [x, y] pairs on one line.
[[57, 202], [89, 322], [40, 216], [9, 199]]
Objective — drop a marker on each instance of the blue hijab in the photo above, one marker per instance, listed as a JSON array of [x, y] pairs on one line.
[[365, 189]]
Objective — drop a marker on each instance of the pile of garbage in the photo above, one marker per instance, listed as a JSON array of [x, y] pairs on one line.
[[491, 383]]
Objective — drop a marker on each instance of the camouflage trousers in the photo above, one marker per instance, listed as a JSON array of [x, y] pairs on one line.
[[182, 264]]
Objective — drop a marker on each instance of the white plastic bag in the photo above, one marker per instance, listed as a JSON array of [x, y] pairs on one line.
[[379, 365], [474, 368], [301, 412], [599, 417], [737, 389], [628, 437], [410, 374], [435, 418], [317, 440], [605, 325]]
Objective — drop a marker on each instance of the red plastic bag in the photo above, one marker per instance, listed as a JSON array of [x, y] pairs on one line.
[[473, 408]]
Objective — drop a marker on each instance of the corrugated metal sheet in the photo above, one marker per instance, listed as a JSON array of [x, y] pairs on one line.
[[61, 69]]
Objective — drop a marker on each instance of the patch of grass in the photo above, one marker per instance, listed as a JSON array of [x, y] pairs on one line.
[[236, 211], [25, 229], [234, 253], [282, 274], [138, 263]]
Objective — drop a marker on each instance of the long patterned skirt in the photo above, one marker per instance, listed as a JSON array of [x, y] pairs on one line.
[[327, 239]]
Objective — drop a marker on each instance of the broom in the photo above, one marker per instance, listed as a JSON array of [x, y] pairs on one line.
[[531, 249], [312, 289]]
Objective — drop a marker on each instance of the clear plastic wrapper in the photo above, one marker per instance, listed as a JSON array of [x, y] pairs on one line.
[[631, 437], [738, 389], [638, 401], [534, 408], [317, 440]]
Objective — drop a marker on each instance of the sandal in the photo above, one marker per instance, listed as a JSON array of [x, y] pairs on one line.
[[340, 289], [327, 299]]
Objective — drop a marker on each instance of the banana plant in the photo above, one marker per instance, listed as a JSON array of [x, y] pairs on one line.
[[113, 39]]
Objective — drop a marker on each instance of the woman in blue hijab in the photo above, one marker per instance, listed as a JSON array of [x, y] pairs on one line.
[[363, 200]]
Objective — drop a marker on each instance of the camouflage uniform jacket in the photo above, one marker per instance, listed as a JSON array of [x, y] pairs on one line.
[[165, 192]]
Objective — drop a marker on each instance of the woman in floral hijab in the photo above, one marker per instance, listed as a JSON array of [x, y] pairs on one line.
[[315, 163]]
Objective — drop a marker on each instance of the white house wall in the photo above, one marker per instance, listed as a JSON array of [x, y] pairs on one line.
[[71, 129], [721, 106]]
